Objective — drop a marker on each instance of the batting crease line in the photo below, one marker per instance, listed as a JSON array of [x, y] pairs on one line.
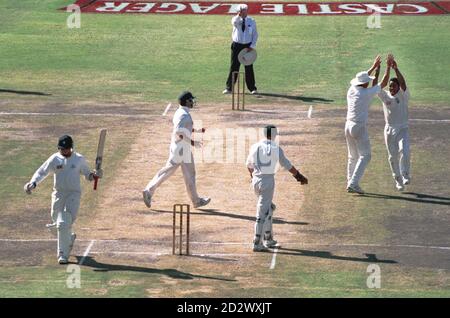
[[274, 259], [431, 120], [78, 114], [167, 109], [151, 116], [86, 253], [239, 243]]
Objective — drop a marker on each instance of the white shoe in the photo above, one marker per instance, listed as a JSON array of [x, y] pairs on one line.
[[259, 248], [355, 189], [147, 198], [254, 92], [270, 243], [406, 180], [202, 202], [399, 184], [63, 260], [226, 91], [73, 237]]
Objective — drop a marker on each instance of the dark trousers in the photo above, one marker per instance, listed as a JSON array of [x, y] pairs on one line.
[[235, 65]]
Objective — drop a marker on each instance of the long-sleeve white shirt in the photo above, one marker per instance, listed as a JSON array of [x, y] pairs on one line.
[[358, 102], [265, 157], [66, 172], [250, 34], [182, 125]]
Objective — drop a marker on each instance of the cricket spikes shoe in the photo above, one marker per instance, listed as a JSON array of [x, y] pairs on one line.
[[147, 198], [259, 248], [406, 180], [62, 260], [355, 189], [270, 243], [202, 202], [399, 184]]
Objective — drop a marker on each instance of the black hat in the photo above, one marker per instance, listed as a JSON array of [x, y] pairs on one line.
[[184, 96], [65, 142], [270, 131]]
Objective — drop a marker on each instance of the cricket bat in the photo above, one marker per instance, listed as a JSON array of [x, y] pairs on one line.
[[99, 158]]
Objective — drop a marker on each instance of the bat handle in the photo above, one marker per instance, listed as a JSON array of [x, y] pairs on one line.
[[95, 182]]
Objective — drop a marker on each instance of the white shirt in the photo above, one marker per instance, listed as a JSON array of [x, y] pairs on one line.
[[395, 108], [265, 157], [358, 102], [182, 125], [66, 172], [250, 34]]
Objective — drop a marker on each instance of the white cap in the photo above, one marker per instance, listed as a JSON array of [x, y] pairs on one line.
[[361, 78]]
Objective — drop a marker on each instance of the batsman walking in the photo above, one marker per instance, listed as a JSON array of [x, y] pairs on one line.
[[263, 161], [66, 166], [180, 154]]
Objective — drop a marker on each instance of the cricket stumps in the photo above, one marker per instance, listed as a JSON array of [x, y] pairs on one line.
[[181, 209], [238, 95]]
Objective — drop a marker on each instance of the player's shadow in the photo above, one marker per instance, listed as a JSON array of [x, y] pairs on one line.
[[306, 99], [426, 196], [172, 273], [420, 198], [370, 258], [13, 91], [215, 212]]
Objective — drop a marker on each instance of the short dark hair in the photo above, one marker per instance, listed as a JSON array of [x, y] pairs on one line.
[[268, 130], [395, 80]]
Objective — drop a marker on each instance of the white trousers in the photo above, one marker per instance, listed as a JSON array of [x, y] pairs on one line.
[[188, 169], [64, 211], [397, 144], [264, 188], [359, 153]]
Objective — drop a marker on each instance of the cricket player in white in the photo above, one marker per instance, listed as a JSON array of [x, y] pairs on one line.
[[396, 132], [180, 154], [263, 162], [359, 97], [66, 166]]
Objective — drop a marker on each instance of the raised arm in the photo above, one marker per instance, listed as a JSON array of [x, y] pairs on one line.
[[385, 79], [400, 77], [377, 74], [375, 65]]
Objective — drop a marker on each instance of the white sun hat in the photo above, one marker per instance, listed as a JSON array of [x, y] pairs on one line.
[[247, 57], [361, 78]]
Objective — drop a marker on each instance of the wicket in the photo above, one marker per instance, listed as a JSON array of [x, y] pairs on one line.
[[181, 208], [236, 80]]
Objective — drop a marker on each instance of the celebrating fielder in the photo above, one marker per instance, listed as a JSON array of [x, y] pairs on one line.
[[359, 97], [66, 166], [396, 134], [262, 163], [180, 154]]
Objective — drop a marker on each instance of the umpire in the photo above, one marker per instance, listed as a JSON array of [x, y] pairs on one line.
[[244, 35]]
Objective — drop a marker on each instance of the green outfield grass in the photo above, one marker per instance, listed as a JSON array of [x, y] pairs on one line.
[[151, 58]]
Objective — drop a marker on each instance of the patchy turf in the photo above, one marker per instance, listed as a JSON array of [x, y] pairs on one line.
[[328, 237], [111, 74]]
